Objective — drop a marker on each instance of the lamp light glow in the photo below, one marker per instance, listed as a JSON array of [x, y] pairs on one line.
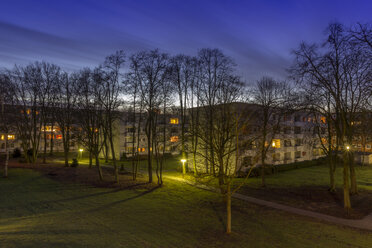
[[81, 149]]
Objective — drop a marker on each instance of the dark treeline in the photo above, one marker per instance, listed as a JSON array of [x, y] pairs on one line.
[[330, 79]]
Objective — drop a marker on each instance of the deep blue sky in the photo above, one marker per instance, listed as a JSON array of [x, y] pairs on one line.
[[259, 34]]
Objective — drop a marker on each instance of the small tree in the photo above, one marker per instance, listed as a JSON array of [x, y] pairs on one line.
[[272, 99]]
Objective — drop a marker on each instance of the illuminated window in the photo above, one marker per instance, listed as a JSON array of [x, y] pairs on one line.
[[2, 137], [324, 141], [173, 120], [323, 119], [174, 139], [276, 143], [59, 136], [141, 149], [48, 129], [11, 137]]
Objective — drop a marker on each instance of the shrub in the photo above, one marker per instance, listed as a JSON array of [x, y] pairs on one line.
[[17, 153], [123, 157], [74, 163]]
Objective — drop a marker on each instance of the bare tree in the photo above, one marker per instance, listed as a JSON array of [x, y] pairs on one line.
[[220, 122], [362, 34], [91, 113], [7, 107], [342, 70], [183, 76], [66, 100], [111, 100], [150, 70], [27, 82], [50, 78], [272, 99]]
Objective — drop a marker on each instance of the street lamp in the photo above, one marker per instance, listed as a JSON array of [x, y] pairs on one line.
[[348, 148], [81, 153], [183, 166]]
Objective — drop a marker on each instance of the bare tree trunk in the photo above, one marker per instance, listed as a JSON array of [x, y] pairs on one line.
[[228, 208], [66, 158], [6, 156], [149, 155], [90, 158], [354, 186], [45, 145], [99, 167], [51, 140], [332, 185], [194, 163], [116, 169], [347, 203]]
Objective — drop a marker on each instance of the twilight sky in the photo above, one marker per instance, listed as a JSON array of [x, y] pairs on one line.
[[257, 34]]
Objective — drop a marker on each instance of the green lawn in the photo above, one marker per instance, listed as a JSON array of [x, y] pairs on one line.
[[313, 176], [39, 212]]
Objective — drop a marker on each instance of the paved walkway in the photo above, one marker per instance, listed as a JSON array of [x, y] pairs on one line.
[[365, 223]]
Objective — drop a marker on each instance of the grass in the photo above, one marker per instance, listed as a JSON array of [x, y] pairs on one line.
[[36, 211], [313, 176]]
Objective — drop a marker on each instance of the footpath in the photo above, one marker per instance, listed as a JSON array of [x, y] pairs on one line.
[[365, 223]]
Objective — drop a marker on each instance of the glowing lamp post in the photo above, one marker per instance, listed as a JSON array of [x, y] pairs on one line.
[[347, 148], [183, 166], [81, 152]]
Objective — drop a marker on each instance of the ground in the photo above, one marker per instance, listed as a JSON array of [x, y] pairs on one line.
[[36, 210], [307, 188]]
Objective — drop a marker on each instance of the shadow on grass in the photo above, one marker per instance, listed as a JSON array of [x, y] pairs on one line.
[[94, 194], [122, 201], [218, 214]]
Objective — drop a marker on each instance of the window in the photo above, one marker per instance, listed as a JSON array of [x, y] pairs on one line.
[[174, 139], [287, 143], [130, 130], [287, 130], [247, 161], [298, 154], [129, 139], [251, 145], [129, 149], [173, 121], [275, 143], [322, 130], [59, 136], [298, 142], [315, 152], [297, 130], [276, 156], [47, 129], [322, 119], [11, 137], [2, 137], [141, 149], [287, 156]]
